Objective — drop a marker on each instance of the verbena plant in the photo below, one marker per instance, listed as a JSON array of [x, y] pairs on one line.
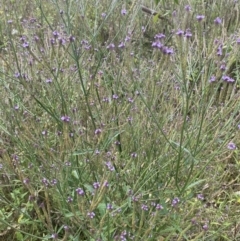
[[119, 120]]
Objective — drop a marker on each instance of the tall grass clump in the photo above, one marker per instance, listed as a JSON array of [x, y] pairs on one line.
[[119, 120]]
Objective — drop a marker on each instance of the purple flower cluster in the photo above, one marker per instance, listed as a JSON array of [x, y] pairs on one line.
[[159, 45]]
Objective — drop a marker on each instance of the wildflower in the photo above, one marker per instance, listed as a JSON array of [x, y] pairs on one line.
[[115, 97], [80, 191], [96, 185], [144, 207], [124, 11], [188, 33], [205, 227], [55, 34], [238, 41], [159, 207], [157, 44], [54, 236], [121, 45], [25, 45], [180, 32], [62, 41], [71, 39], [228, 79], [187, 8], [167, 50], [212, 79], [217, 21], [231, 146], [53, 182], [91, 214], [239, 126], [69, 199], [200, 17], [159, 36], [127, 39], [66, 227], [45, 181], [219, 50], [223, 67], [105, 183], [103, 15], [98, 131], [175, 201], [111, 46], [97, 152], [65, 118], [26, 181], [134, 154], [44, 133], [200, 197], [109, 206], [110, 166]]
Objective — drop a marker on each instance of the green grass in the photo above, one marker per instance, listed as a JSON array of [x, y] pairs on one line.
[[104, 136]]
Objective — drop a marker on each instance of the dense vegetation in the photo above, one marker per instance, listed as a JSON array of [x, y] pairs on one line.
[[119, 120]]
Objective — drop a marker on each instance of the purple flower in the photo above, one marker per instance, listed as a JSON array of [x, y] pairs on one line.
[[205, 227], [188, 33], [134, 154], [72, 39], [109, 206], [228, 79], [167, 50], [98, 131], [44, 133], [217, 21], [103, 15], [223, 67], [212, 79], [144, 207], [115, 97], [65, 118], [200, 197], [26, 181], [238, 41], [54, 236], [110, 166], [157, 44], [231, 146], [200, 17], [91, 214], [69, 199], [55, 34], [159, 36], [45, 181], [80, 191], [180, 32], [96, 185], [239, 126], [105, 183], [48, 80], [159, 207], [124, 11], [175, 201], [121, 45], [111, 46], [25, 45], [187, 8]]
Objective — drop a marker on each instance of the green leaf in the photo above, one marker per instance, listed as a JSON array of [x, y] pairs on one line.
[[195, 183], [102, 208], [75, 174]]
